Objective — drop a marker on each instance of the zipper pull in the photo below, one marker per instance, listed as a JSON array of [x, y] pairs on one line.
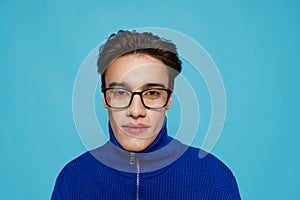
[[132, 159]]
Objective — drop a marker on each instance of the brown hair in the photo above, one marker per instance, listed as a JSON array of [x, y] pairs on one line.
[[132, 42]]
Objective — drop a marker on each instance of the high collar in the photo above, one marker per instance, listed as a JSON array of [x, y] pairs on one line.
[[163, 151], [160, 141]]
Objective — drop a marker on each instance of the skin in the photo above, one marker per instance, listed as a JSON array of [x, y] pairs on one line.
[[135, 72]]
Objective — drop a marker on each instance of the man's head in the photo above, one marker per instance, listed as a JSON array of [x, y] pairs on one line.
[[137, 72], [131, 42]]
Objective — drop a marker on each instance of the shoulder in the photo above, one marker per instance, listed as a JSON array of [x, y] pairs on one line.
[[207, 162], [87, 161], [82, 166], [68, 176], [205, 166], [76, 165], [79, 169]]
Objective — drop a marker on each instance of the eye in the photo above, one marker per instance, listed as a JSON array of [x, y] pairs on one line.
[[120, 93], [152, 94]]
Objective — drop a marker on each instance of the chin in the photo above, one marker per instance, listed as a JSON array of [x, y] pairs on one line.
[[136, 144], [134, 147]]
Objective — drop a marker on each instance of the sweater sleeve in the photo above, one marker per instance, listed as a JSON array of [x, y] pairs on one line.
[[63, 190], [58, 191], [233, 191]]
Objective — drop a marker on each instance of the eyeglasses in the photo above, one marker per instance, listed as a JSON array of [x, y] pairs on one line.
[[120, 98]]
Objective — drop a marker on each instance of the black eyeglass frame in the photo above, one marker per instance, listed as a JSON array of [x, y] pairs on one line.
[[169, 92]]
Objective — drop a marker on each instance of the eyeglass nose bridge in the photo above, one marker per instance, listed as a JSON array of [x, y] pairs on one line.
[[141, 98]]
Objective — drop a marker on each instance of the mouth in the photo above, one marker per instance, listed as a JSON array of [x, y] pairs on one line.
[[135, 129]]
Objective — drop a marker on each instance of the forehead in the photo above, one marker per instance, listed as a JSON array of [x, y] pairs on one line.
[[136, 70]]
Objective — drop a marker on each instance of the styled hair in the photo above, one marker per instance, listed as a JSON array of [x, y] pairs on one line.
[[132, 42]]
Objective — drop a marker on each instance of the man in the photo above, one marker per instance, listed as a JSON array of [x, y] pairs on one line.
[[140, 161]]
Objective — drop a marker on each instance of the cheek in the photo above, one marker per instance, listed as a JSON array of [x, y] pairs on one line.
[[117, 116], [157, 118]]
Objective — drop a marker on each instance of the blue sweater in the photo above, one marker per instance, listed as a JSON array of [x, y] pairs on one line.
[[166, 169]]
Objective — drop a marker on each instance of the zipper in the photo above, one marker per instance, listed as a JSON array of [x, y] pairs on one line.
[[133, 161], [137, 179]]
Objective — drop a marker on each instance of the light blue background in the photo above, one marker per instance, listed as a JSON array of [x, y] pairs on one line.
[[255, 44]]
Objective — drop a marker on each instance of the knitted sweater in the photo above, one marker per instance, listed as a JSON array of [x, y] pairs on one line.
[[166, 169]]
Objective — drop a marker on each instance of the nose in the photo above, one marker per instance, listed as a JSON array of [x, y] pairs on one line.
[[136, 108]]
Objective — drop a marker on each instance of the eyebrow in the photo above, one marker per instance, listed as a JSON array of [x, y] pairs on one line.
[[121, 84], [154, 85], [124, 84]]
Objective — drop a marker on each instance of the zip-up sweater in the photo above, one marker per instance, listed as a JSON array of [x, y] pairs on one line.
[[166, 169]]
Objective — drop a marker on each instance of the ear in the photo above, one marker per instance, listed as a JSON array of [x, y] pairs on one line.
[[104, 102], [169, 104]]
